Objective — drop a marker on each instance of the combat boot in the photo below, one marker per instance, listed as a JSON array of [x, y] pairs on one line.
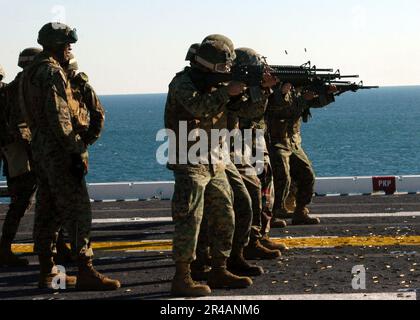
[[270, 244], [290, 203], [200, 268], [278, 223], [283, 214], [256, 251], [184, 286], [301, 217], [89, 279], [221, 278], [49, 272], [9, 259], [238, 265], [64, 255]]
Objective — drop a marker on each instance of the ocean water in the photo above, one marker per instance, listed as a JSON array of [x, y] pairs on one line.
[[372, 132]]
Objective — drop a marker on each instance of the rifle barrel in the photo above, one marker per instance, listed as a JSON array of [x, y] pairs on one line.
[[285, 68]]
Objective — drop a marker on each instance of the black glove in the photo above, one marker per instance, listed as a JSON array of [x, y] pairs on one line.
[[78, 168]]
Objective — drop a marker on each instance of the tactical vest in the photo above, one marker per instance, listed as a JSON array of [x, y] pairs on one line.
[[37, 88], [79, 112], [79, 115]]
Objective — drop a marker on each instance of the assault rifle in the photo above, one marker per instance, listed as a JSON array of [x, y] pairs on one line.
[[305, 75], [344, 87]]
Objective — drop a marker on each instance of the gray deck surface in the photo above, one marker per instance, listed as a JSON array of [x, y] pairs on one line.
[[147, 275]]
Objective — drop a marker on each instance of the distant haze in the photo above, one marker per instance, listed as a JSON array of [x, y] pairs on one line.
[[137, 46]]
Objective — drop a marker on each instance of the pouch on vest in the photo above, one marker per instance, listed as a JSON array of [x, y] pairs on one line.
[[17, 159]]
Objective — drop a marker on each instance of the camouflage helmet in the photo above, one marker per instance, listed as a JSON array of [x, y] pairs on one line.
[[192, 52], [247, 56], [56, 34], [2, 73], [27, 56], [220, 37], [216, 55]]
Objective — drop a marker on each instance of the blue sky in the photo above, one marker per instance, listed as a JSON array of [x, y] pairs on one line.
[[138, 46]]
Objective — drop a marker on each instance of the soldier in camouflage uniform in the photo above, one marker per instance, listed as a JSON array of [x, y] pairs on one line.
[[287, 108], [88, 122], [197, 105], [21, 181], [62, 198], [252, 118], [242, 185]]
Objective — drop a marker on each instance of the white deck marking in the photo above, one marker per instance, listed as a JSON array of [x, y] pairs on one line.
[[312, 297], [131, 220], [322, 216], [370, 215]]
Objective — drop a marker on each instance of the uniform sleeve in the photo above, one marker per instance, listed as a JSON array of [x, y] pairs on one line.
[[97, 115], [322, 101], [200, 105], [58, 116]]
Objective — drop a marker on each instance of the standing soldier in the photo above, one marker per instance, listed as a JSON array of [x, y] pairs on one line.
[[88, 117], [21, 181], [62, 197], [247, 203], [193, 104], [251, 117], [287, 107]]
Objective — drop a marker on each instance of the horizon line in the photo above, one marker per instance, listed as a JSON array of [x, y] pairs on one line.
[[159, 93]]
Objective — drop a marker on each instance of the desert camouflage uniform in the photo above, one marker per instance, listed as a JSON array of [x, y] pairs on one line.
[[250, 116], [62, 198], [88, 114], [196, 184], [242, 205], [244, 182], [21, 181], [289, 160]]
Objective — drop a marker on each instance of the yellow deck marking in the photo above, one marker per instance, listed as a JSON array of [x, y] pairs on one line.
[[297, 243]]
